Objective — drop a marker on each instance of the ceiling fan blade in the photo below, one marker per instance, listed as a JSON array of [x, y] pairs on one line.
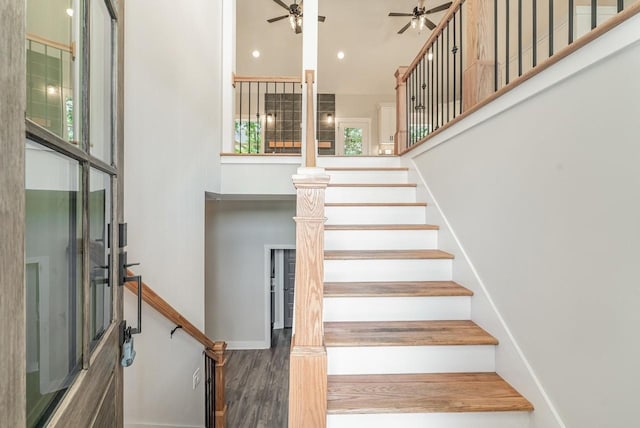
[[298, 29], [400, 14], [403, 29], [281, 4], [429, 23], [277, 18], [439, 8], [322, 18]]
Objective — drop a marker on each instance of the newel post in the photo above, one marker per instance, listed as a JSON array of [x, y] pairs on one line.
[[308, 364], [400, 139], [479, 53], [220, 405]]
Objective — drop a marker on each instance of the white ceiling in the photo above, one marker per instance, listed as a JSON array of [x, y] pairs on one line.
[[361, 28]]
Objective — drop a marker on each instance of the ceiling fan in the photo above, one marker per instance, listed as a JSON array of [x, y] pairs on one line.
[[295, 15], [418, 16]]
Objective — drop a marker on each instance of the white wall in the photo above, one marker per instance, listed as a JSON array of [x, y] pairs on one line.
[[172, 135], [236, 235], [351, 106], [543, 199]]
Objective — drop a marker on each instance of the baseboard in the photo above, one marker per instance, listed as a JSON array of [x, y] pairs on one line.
[[243, 345]]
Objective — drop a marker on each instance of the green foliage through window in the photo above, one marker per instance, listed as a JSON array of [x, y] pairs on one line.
[[352, 141], [247, 136]]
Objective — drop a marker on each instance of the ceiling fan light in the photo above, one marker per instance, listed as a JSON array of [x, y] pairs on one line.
[[292, 22], [414, 22], [422, 23], [299, 21]]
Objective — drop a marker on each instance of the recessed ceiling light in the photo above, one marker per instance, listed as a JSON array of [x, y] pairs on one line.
[[70, 12], [256, 53], [340, 55]]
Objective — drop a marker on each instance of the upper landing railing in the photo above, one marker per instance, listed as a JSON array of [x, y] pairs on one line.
[[484, 48]]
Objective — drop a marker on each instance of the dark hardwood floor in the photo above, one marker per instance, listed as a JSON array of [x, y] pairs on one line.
[[258, 385]]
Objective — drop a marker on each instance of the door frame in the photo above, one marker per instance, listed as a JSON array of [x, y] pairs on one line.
[[366, 148], [12, 208], [267, 289], [95, 397]]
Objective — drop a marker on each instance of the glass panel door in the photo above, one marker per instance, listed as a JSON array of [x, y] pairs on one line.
[[53, 277]]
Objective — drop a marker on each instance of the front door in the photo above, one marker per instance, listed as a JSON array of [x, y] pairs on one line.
[[289, 286], [71, 162]]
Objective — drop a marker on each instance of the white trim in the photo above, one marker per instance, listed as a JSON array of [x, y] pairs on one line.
[[604, 46], [271, 159], [267, 296], [244, 345], [434, 203], [278, 319]]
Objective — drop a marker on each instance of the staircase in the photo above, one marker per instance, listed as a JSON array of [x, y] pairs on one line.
[[401, 347]]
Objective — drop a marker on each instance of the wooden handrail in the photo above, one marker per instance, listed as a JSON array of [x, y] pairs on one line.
[[53, 44], [601, 29], [215, 349], [267, 79], [311, 152], [434, 35]]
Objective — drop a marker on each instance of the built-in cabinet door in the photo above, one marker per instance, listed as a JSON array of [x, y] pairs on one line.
[[289, 286]]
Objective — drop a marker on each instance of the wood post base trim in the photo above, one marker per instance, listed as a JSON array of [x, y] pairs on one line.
[[308, 387]]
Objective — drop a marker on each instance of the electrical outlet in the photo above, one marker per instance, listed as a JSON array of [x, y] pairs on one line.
[[196, 378]]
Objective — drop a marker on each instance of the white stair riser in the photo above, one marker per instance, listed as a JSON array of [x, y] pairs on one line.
[[435, 420], [387, 270], [370, 194], [359, 161], [376, 215], [410, 359], [346, 177], [380, 239], [397, 308]]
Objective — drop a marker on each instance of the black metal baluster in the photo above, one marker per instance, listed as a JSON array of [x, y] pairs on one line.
[[448, 73], [570, 21], [454, 51], [283, 116], [620, 5], [506, 41], [258, 121], [594, 13], [241, 122], [534, 36], [249, 123], [421, 96], [550, 28], [441, 50], [461, 59], [495, 45], [519, 37], [293, 115], [406, 115], [432, 87]]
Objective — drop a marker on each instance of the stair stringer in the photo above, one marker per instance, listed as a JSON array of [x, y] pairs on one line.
[[510, 361]]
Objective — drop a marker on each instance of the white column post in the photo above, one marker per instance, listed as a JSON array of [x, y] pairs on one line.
[[309, 61]]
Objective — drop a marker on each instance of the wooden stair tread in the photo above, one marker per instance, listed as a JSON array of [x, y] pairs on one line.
[[375, 204], [347, 168], [395, 289], [372, 185], [423, 393], [405, 333], [381, 227], [386, 254]]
